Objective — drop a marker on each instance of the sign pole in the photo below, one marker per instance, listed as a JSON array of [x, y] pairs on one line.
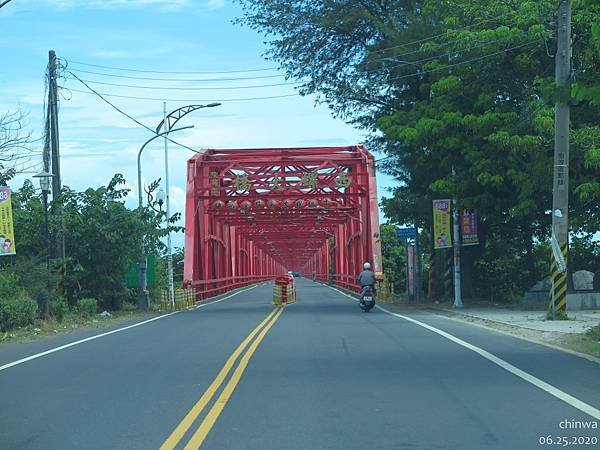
[[457, 293]]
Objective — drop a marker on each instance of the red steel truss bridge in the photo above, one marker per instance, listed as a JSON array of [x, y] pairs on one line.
[[253, 214]]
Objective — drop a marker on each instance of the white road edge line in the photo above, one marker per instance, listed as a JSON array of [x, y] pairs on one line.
[[98, 336], [561, 395]]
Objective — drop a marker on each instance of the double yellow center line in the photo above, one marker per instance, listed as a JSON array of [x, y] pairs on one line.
[[211, 417]]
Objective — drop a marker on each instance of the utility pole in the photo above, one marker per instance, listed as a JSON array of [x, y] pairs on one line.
[[54, 146], [560, 189], [418, 291]]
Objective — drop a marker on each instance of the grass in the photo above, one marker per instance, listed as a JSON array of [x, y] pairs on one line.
[[588, 342], [71, 322]]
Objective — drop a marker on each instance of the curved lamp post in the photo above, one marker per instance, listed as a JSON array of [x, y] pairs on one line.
[[167, 123], [143, 271]]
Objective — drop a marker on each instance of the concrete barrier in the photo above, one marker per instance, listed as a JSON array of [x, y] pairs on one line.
[[579, 300]]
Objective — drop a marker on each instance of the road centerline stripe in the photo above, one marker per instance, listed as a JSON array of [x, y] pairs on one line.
[[213, 414], [206, 397], [554, 391]]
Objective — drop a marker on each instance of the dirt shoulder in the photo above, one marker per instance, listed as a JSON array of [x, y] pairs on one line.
[[42, 329], [72, 322], [579, 335]]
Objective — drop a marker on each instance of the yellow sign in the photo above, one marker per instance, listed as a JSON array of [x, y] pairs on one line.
[[441, 224], [7, 232]]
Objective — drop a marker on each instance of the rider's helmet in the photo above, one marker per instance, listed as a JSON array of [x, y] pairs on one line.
[[366, 266]]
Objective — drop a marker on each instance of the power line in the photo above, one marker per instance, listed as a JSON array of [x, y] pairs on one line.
[[423, 72], [418, 73], [441, 34], [195, 80], [173, 72], [127, 115], [175, 80], [450, 53], [174, 88], [223, 100]]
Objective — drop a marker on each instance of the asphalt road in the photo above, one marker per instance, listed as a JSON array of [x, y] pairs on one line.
[[319, 374]]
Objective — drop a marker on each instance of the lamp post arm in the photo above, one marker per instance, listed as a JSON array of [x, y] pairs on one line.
[[139, 167], [174, 116]]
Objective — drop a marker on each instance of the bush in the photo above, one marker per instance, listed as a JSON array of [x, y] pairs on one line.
[[9, 285], [16, 312], [560, 314], [87, 307], [59, 308]]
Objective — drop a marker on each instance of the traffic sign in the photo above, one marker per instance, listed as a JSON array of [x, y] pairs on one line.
[[404, 233]]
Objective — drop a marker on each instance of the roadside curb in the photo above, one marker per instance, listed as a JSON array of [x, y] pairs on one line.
[[460, 316], [477, 321]]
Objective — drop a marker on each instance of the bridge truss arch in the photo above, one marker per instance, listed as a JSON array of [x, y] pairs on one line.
[[252, 214]]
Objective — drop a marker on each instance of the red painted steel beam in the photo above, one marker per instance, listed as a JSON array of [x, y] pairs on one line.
[[255, 213]]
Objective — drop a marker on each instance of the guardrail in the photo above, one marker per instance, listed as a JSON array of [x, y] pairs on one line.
[[348, 282], [211, 288], [194, 292]]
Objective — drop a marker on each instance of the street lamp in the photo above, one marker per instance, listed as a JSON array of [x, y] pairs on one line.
[[45, 186], [167, 123], [143, 271], [161, 197]]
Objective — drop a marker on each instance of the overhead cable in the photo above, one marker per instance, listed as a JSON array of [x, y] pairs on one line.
[[172, 72], [221, 100], [127, 115], [179, 88]]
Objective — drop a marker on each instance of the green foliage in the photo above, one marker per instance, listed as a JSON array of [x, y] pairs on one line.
[[16, 312], [87, 307], [16, 308], [393, 254], [455, 85], [59, 308], [560, 314], [102, 237]]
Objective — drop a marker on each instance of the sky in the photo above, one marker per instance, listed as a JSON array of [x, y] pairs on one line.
[[193, 37]]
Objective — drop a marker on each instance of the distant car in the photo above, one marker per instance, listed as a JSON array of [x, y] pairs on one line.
[[294, 274]]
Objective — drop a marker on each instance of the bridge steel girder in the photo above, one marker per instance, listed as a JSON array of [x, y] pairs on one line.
[[252, 214]]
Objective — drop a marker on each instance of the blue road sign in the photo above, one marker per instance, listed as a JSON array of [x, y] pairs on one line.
[[404, 233]]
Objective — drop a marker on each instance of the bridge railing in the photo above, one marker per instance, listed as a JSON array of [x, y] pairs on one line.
[[343, 280], [211, 288]]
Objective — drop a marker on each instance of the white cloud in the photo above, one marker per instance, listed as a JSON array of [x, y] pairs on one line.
[[170, 5], [108, 4], [215, 4]]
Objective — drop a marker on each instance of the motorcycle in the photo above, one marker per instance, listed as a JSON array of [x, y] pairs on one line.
[[367, 298]]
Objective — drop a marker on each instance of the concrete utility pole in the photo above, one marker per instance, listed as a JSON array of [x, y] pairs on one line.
[[54, 146], [418, 293], [560, 190]]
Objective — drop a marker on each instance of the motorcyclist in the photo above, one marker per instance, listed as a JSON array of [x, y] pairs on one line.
[[367, 278]]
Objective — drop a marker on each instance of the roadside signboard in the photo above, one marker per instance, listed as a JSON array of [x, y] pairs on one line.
[[7, 232], [441, 224], [406, 233], [468, 228]]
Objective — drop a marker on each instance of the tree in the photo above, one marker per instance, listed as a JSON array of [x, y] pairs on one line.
[[392, 252], [102, 239], [449, 87], [15, 147]]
